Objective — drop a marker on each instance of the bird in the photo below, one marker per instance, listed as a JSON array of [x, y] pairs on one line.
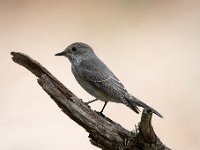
[[98, 80]]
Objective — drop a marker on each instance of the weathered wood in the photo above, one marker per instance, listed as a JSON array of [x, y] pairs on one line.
[[103, 132]]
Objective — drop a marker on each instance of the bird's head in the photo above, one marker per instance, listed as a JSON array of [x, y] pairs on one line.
[[76, 52]]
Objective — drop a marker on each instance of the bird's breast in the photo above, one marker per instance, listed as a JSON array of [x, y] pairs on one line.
[[91, 89]]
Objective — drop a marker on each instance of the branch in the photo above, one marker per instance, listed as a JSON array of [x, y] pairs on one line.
[[103, 132]]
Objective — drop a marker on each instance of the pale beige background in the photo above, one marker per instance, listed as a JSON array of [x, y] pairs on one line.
[[153, 46]]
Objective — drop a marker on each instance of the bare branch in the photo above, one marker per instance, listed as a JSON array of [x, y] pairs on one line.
[[103, 132]]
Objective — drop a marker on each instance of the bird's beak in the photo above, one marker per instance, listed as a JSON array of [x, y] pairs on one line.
[[60, 54]]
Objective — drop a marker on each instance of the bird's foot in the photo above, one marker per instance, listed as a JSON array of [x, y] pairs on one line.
[[100, 113], [87, 105]]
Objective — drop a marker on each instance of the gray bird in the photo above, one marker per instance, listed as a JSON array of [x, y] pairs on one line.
[[95, 77]]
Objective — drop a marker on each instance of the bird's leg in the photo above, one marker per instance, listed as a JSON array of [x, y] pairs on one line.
[[103, 107], [91, 101]]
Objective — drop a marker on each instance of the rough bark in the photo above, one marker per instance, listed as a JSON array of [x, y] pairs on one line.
[[103, 132]]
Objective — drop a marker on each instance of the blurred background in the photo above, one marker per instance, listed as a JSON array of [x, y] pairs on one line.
[[152, 46]]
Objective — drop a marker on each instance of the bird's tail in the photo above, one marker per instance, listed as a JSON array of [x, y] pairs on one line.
[[134, 102]]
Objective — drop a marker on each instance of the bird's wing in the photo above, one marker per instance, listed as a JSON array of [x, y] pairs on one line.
[[100, 77]]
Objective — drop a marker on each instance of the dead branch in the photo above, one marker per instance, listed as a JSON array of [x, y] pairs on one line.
[[103, 132]]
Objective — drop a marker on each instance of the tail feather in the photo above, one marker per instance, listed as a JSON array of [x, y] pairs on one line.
[[134, 102]]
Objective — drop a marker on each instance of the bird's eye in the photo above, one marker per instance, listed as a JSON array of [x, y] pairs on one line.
[[74, 49]]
